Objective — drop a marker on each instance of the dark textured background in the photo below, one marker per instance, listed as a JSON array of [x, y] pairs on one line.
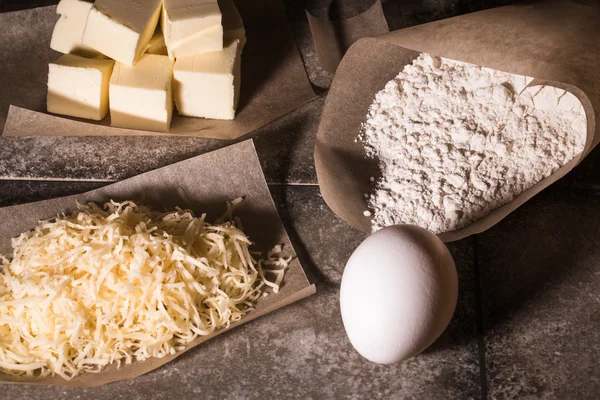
[[527, 321]]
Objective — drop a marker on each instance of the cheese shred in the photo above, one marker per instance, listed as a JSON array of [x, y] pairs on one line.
[[120, 283]]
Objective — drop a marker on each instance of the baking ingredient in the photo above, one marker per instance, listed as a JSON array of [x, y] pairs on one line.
[[78, 86], [192, 27], [207, 77], [157, 44], [66, 37], [398, 293], [141, 96], [455, 141], [121, 29], [122, 283], [206, 85], [205, 41], [233, 28]]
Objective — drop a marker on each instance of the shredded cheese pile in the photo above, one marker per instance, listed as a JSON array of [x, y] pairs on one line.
[[123, 283]]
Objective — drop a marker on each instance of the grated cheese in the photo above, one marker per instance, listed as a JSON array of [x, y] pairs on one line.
[[122, 283]]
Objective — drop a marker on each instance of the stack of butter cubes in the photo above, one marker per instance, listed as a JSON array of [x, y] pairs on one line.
[[118, 58]]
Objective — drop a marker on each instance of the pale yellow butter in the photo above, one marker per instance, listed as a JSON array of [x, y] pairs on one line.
[[141, 96], [192, 26], [122, 29], [205, 41], [78, 86], [231, 27], [208, 85], [66, 37]]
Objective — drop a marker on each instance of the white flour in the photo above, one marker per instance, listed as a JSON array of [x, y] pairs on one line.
[[455, 141]]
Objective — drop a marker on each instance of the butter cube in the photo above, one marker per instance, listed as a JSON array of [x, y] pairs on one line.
[[205, 41], [141, 96], [192, 27], [66, 37], [122, 29], [157, 44], [78, 86], [208, 85], [210, 39]]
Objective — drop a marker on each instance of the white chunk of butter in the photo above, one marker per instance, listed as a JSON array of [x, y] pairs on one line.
[[66, 37], [231, 27], [192, 24], [122, 29], [157, 44], [205, 41], [208, 85], [141, 96], [78, 86]]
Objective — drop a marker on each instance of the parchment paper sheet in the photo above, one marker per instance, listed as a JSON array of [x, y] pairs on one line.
[[557, 42], [332, 38], [208, 181], [274, 81]]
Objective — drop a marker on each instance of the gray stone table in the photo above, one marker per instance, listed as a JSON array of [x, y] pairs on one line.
[[527, 324]]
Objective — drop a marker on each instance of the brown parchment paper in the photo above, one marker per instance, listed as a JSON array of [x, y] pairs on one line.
[[274, 81], [557, 42], [332, 38], [208, 181]]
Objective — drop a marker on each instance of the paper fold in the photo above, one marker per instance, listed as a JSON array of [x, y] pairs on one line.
[[332, 38]]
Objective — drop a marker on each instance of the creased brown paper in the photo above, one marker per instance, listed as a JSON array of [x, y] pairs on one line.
[[208, 181], [556, 42], [332, 38], [274, 81]]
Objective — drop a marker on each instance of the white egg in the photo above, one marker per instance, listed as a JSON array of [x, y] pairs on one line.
[[398, 293]]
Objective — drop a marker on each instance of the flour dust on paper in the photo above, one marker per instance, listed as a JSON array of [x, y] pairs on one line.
[[455, 141]]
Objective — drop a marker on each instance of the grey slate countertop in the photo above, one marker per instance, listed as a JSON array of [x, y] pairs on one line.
[[528, 318]]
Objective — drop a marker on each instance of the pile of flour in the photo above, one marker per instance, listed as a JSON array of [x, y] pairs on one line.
[[455, 141]]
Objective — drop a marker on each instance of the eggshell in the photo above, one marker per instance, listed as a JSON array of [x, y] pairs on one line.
[[398, 293]]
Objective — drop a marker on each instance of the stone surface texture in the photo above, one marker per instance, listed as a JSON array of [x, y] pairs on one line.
[[540, 273], [286, 146], [527, 321]]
